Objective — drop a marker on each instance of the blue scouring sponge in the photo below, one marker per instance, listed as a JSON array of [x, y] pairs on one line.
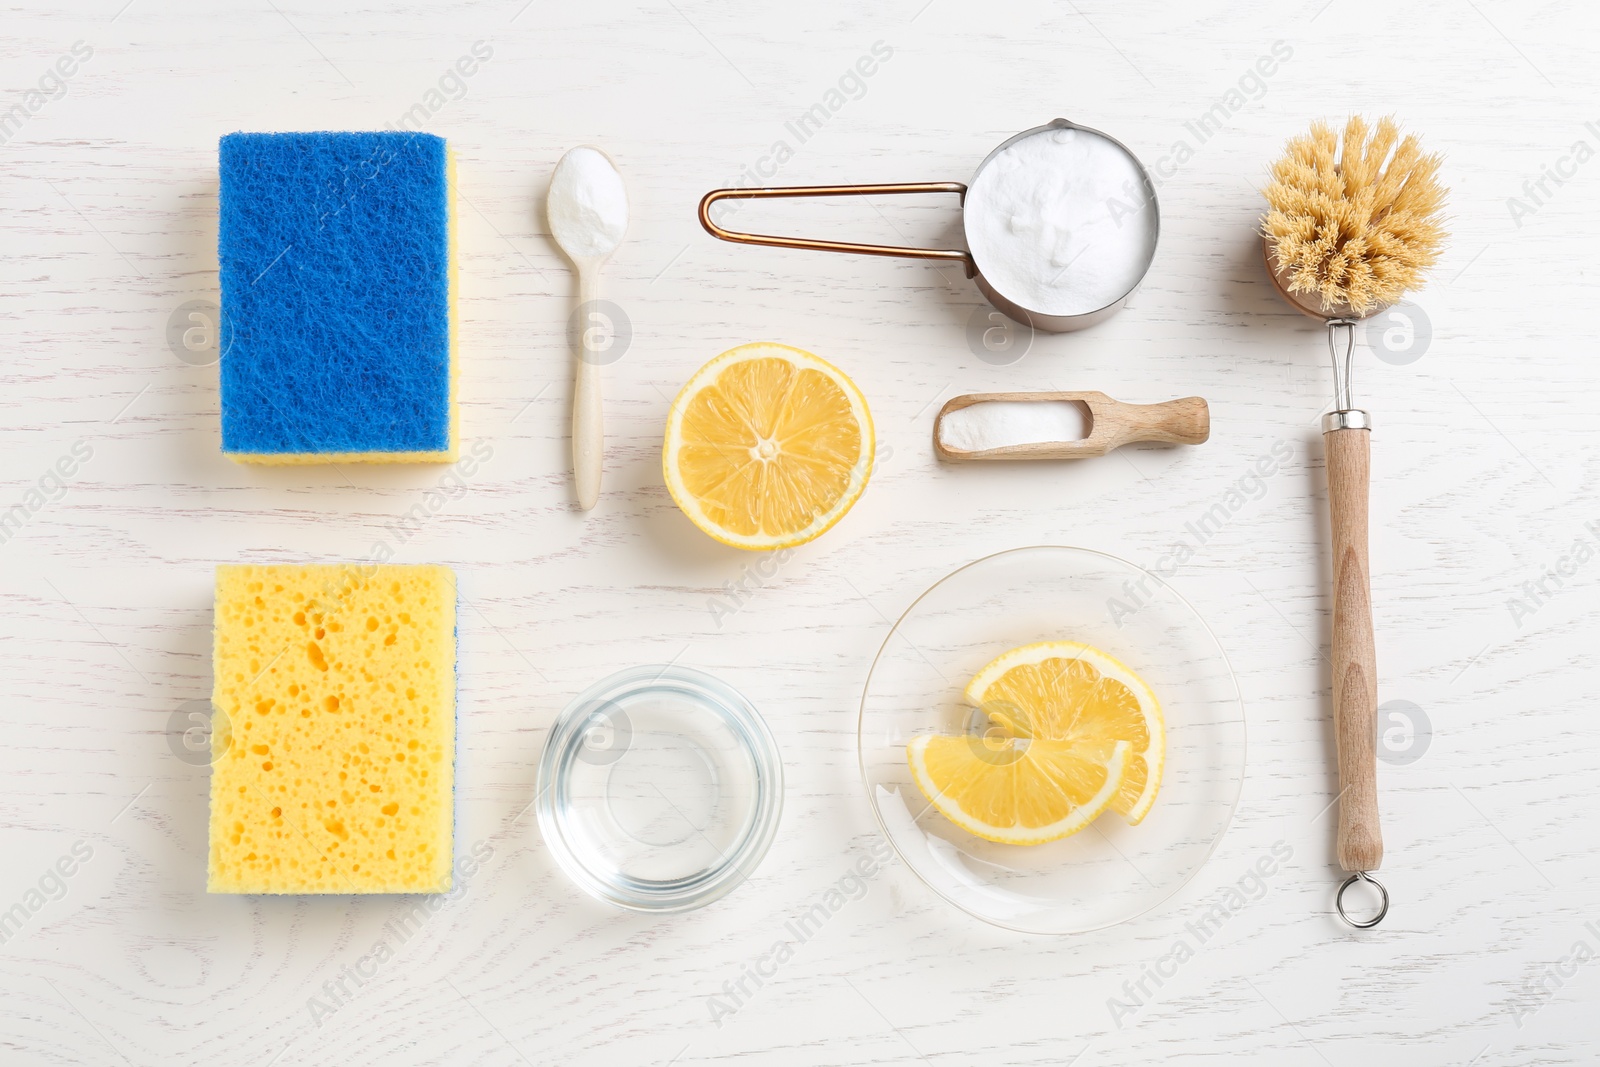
[[338, 321]]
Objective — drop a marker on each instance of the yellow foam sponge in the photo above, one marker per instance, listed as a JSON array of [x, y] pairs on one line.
[[333, 741]]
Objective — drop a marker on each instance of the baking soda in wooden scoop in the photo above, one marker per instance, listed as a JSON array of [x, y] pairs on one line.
[[1002, 423], [1060, 425]]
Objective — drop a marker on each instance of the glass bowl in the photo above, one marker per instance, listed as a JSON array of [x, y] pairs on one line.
[[659, 789], [1109, 872]]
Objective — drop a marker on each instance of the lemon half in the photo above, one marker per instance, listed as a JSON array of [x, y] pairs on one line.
[[767, 446]]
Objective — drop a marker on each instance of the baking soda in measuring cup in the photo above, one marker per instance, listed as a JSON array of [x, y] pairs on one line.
[[1047, 220], [1051, 240]]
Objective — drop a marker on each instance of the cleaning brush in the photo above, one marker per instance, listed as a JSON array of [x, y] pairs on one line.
[[1356, 223], [1352, 226]]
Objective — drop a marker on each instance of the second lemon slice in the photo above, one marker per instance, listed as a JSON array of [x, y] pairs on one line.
[[1071, 692]]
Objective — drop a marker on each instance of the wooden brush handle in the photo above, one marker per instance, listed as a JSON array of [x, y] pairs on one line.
[[1355, 670]]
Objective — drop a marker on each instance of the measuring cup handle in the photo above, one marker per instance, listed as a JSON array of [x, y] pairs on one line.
[[948, 254]]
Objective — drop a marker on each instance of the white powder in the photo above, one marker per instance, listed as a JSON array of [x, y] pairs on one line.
[[588, 204], [1060, 222], [998, 423]]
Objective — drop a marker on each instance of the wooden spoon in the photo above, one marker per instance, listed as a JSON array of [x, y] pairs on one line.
[[1110, 424]]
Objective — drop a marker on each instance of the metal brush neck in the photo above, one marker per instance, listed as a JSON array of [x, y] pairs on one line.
[[1341, 350]]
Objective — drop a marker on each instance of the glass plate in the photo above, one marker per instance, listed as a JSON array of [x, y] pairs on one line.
[[1109, 872]]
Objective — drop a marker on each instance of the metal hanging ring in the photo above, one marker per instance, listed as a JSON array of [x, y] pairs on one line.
[[1361, 924]]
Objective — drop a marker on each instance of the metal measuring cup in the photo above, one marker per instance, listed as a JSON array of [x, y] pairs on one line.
[[1052, 323]]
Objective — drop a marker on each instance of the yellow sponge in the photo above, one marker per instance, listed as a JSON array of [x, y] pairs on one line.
[[334, 740]]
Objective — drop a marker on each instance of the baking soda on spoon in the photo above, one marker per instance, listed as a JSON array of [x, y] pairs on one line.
[[1060, 222], [588, 204]]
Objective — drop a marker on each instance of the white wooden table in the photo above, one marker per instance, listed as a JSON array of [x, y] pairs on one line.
[[1485, 471]]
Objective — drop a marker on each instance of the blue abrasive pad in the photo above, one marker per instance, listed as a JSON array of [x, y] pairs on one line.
[[334, 251]]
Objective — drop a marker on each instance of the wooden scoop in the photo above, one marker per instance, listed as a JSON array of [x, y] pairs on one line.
[[1108, 424]]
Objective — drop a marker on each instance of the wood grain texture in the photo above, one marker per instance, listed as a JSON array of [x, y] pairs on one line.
[[1354, 668], [1112, 424], [1484, 525]]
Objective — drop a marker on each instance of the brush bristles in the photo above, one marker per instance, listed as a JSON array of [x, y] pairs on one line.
[[1357, 224]]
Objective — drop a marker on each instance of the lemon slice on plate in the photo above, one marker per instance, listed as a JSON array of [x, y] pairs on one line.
[[1064, 691], [767, 446], [1016, 790]]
